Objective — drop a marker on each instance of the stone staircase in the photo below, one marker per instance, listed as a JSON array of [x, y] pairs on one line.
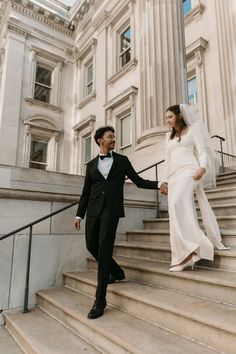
[[153, 311]]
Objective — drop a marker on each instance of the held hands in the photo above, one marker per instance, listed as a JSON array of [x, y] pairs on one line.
[[164, 188], [199, 173], [77, 224]]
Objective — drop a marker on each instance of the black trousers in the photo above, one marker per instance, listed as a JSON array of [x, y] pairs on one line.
[[100, 234]]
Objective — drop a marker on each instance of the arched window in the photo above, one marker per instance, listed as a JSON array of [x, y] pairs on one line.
[[40, 144]]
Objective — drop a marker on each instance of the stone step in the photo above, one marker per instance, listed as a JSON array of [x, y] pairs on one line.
[[161, 252], [224, 222], [226, 180], [209, 283], [116, 332], [155, 235], [8, 344], [163, 236], [38, 333], [199, 319], [219, 210], [230, 182], [221, 195], [227, 174]]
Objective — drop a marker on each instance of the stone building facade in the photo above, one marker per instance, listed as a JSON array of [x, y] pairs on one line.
[[67, 70]]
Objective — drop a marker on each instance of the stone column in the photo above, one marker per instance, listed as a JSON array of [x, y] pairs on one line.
[[226, 27], [10, 99], [162, 64]]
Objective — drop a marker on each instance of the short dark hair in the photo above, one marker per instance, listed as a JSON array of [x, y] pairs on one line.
[[101, 131]]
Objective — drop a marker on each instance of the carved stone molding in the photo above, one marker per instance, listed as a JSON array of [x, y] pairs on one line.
[[46, 54], [17, 30], [33, 101], [125, 95], [41, 14], [86, 122], [196, 49], [84, 49], [83, 9], [195, 14], [88, 99]]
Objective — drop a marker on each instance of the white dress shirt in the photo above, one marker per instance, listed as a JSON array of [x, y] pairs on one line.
[[104, 165]]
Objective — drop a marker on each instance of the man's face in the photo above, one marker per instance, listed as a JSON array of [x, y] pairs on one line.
[[107, 141]]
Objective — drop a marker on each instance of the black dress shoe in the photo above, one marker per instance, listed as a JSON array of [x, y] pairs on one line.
[[116, 277], [97, 310]]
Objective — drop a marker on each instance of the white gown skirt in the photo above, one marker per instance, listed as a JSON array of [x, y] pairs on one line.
[[185, 234]]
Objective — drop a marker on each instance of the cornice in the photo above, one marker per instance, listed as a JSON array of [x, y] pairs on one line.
[[85, 48], [195, 14], [121, 97], [28, 30], [44, 15], [199, 44], [46, 54], [16, 29], [82, 13], [90, 120]]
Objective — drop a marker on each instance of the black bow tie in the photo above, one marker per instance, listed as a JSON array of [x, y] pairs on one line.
[[104, 156]]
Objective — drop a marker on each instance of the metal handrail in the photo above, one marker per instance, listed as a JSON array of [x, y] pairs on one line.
[[37, 221], [30, 226], [222, 167], [157, 192], [223, 155]]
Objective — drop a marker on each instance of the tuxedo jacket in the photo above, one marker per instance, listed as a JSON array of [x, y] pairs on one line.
[[97, 190]]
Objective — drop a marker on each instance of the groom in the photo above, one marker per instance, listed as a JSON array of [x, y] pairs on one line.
[[102, 199]]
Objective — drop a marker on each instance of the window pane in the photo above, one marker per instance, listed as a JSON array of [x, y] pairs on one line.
[[42, 93], [38, 154], [87, 149], [89, 89], [187, 6], [43, 76], [125, 39], [192, 91], [125, 131], [125, 58], [90, 73]]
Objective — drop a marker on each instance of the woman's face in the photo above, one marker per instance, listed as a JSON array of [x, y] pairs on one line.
[[171, 119]]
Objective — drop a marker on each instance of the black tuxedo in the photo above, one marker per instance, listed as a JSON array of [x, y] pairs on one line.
[[103, 200], [98, 190]]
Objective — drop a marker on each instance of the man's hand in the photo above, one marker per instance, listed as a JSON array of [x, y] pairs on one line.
[[199, 173], [77, 224], [164, 188]]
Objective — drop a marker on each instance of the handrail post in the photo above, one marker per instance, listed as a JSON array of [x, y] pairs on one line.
[[222, 157], [157, 196], [26, 298]]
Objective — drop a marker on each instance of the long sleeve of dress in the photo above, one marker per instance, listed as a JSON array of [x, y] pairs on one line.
[[165, 174], [200, 145]]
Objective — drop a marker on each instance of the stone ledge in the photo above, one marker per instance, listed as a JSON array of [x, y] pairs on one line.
[[8, 193]]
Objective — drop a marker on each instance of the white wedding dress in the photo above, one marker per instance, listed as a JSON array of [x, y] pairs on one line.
[[182, 160]]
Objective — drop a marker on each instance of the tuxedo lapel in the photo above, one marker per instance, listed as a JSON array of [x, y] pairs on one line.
[[95, 169], [114, 165]]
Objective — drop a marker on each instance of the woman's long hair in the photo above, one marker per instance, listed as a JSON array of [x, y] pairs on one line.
[[180, 123]]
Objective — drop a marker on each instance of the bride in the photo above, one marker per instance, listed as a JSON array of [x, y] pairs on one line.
[[189, 162]]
